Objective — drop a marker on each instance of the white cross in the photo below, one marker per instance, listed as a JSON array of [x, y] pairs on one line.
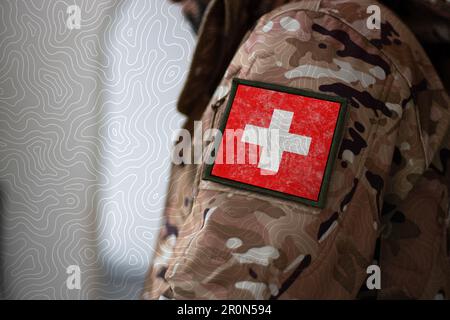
[[275, 140]]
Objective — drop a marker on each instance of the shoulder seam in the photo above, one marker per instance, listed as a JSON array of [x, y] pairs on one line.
[[392, 63]]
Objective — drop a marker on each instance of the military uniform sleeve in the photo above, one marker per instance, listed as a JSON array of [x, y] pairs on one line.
[[238, 244]]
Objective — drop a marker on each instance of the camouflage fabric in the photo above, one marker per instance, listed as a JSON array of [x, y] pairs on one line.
[[390, 181]]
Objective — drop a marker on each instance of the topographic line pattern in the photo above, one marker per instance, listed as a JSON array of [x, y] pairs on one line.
[[86, 120]]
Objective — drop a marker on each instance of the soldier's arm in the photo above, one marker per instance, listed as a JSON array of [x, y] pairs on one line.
[[243, 244]]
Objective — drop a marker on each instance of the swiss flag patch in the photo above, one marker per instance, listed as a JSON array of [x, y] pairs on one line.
[[278, 140]]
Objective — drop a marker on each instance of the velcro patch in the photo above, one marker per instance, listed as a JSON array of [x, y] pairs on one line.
[[283, 141]]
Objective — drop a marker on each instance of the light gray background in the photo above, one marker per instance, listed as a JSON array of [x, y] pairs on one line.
[[86, 118]]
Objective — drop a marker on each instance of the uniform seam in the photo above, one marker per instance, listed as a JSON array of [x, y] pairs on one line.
[[343, 21]]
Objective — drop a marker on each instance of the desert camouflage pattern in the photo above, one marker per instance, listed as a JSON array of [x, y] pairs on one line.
[[388, 191]]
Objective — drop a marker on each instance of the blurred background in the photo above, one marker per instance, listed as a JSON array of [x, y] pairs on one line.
[[87, 113]]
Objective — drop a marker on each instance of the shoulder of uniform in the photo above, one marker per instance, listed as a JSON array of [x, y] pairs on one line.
[[390, 35]]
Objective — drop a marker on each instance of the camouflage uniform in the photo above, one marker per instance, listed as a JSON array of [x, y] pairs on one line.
[[390, 181]]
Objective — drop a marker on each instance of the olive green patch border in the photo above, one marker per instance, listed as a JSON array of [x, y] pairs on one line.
[[337, 137]]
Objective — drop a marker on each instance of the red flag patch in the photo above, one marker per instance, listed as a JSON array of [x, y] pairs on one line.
[[278, 140]]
